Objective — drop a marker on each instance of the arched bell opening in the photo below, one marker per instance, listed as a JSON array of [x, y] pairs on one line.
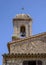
[[22, 31]]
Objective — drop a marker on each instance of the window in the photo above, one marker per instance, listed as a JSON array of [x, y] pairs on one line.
[[39, 62], [33, 62], [22, 31], [29, 63]]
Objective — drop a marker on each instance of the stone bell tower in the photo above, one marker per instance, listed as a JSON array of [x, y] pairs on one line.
[[22, 24], [25, 50]]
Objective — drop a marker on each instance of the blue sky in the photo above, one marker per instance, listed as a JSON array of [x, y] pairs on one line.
[[8, 10]]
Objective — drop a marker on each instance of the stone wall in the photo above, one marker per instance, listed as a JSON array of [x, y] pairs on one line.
[[18, 24], [29, 46], [19, 61]]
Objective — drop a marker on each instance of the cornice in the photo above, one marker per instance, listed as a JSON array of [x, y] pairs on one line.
[[30, 37], [17, 19], [38, 55]]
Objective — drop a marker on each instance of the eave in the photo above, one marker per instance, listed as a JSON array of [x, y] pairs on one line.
[[42, 55]]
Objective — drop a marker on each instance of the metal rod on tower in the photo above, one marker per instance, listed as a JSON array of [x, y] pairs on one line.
[[22, 9]]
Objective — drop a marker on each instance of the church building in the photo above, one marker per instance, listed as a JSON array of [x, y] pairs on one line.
[[25, 48]]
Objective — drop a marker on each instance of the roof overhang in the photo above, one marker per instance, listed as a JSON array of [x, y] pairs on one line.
[[42, 55]]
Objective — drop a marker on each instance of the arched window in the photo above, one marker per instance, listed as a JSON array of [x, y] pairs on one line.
[[22, 31]]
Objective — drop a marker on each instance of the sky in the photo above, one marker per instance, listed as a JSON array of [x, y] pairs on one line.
[[8, 10]]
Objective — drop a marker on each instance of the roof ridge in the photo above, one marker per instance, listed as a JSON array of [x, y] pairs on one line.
[[33, 36]]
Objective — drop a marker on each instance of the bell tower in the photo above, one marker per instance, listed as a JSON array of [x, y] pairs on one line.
[[22, 25]]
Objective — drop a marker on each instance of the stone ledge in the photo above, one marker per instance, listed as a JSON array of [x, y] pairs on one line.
[[42, 55]]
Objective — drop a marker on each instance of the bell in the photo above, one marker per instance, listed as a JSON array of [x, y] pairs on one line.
[[23, 34]]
